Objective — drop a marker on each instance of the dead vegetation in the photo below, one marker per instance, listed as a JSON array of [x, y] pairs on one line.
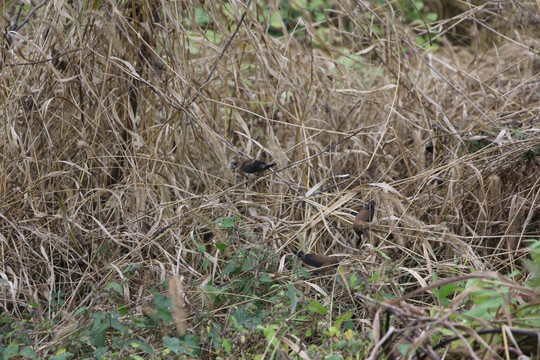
[[122, 118]]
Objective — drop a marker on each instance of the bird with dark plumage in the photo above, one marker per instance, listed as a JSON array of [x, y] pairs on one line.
[[317, 260], [363, 218], [251, 167]]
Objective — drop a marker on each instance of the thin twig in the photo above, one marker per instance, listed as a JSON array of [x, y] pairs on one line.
[[32, 11], [45, 60], [321, 152], [221, 55]]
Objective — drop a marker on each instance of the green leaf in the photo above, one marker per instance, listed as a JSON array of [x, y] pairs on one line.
[[130, 268], [443, 293], [419, 4], [269, 331], [112, 285], [386, 295], [404, 348], [483, 295], [163, 304], [137, 344], [99, 329], [375, 277], [275, 20], [352, 281], [231, 267], [115, 323], [63, 355], [305, 274], [164, 315], [201, 16], [431, 17], [247, 265], [487, 308], [317, 308], [11, 350], [533, 266], [227, 222], [316, 4], [240, 316], [447, 289], [333, 357], [299, 4], [212, 291], [28, 352], [226, 345], [221, 246], [100, 352], [228, 11], [291, 294], [81, 310], [173, 344], [347, 316], [188, 346], [122, 310], [383, 254], [265, 278]]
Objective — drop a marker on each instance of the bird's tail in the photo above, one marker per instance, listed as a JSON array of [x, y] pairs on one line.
[[371, 207], [268, 166]]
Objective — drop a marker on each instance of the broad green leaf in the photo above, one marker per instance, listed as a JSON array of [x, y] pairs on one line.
[[275, 21], [201, 16], [317, 308], [28, 352], [265, 278], [226, 345], [431, 17], [346, 316], [62, 355], [404, 348], [486, 309], [188, 346], [112, 285], [137, 344], [99, 329], [221, 246], [11, 350], [291, 294], [247, 265], [333, 357]]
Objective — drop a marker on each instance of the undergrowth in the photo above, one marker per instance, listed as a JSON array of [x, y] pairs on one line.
[[120, 120]]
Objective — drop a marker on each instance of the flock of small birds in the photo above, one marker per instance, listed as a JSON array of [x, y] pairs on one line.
[[253, 168]]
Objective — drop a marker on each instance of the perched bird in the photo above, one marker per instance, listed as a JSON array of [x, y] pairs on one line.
[[363, 218], [251, 167], [317, 260]]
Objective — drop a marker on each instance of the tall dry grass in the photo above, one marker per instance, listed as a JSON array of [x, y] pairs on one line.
[[102, 144]]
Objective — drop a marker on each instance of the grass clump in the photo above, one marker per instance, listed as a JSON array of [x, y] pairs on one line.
[[124, 233]]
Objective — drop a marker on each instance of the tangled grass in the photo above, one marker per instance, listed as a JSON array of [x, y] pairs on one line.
[[122, 118]]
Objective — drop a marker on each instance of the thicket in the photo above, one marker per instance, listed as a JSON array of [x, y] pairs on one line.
[[124, 232]]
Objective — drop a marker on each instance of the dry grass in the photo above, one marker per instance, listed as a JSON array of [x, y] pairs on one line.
[[102, 146]]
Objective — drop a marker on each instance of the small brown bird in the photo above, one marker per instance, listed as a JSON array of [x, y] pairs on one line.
[[363, 218], [251, 167], [317, 260]]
